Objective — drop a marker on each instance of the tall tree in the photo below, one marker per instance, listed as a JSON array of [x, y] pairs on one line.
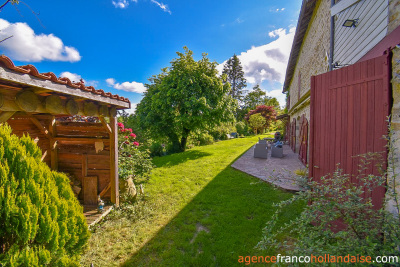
[[235, 76], [268, 112], [8, 1], [255, 98], [185, 97]]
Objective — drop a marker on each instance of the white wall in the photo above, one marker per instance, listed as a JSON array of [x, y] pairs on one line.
[[353, 43]]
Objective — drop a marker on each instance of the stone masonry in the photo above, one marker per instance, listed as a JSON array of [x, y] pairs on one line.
[[311, 61], [394, 181]]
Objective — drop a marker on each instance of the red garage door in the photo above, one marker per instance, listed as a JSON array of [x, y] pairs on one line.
[[349, 109]]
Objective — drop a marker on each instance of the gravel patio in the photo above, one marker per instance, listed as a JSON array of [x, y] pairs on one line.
[[278, 171]]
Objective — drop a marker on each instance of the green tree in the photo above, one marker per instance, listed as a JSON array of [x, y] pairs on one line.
[[255, 98], [41, 221], [8, 1], [185, 97], [235, 76], [257, 122]]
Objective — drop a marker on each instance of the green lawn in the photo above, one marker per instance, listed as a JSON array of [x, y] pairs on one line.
[[198, 211]]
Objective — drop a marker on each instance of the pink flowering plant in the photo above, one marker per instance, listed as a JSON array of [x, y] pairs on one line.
[[132, 160]]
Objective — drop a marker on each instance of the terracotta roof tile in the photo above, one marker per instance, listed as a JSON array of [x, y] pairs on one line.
[[31, 70]]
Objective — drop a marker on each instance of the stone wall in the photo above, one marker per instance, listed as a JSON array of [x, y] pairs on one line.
[[395, 119], [311, 60], [394, 15]]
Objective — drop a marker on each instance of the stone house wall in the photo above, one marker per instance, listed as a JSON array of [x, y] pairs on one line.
[[311, 60]]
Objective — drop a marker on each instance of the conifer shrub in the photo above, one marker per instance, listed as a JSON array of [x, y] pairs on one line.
[[41, 221]]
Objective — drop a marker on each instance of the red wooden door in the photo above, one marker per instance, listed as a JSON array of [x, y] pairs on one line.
[[303, 140], [293, 135], [349, 109]]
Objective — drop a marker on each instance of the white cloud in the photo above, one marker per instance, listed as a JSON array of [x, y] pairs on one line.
[[110, 82], [132, 109], [277, 10], [122, 3], [238, 20], [127, 86], [72, 76], [125, 3], [267, 63], [278, 95], [163, 6], [277, 33], [26, 45], [77, 78]]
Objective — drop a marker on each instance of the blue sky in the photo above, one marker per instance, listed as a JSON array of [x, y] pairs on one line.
[[116, 45]]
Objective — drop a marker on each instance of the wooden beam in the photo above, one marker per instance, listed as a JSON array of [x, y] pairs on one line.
[[84, 166], [41, 128], [54, 154], [81, 139], [102, 193], [44, 155], [114, 161], [53, 144], [103, 121], [5, 115]]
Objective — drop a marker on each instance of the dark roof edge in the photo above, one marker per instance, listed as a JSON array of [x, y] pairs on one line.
[[78, 89], [307, 9]]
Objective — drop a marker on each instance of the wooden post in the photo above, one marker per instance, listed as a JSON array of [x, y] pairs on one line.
[[114, 161], [5, 115], [53, 144]]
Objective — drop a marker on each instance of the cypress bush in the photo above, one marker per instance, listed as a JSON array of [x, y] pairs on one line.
[[41, 221]]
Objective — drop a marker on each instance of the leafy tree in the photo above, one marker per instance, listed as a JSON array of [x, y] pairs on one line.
[[255, 98], [268, 112], [41, 221], [184, 97], [8, 1], [257, 122], [235, 76]]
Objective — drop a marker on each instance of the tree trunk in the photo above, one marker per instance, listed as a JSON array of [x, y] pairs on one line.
[[176, 146], [185, 134]]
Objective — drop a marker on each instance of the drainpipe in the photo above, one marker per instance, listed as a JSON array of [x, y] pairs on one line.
[[332, 39]]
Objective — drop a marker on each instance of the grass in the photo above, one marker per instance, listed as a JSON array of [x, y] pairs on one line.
[[197, 211]]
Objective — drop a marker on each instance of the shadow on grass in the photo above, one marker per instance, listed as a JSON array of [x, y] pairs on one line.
[[178, 158], [222, 222]]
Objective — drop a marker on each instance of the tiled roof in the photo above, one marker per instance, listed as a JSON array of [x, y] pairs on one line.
[[31, 70]]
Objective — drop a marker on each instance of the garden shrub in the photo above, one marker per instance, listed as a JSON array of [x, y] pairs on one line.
[[41, 221], [242, 128], [365, 231], [132, 161], [199, 139], [157, 149], [205, 139], [221, 131]]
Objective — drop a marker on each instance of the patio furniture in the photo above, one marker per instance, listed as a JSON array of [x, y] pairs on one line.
[[276, 152], [261, 151]]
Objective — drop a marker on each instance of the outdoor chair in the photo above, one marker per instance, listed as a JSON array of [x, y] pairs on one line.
[[276, 152], [261, 150]]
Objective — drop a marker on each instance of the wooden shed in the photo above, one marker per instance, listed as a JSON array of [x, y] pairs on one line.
[[74, 125]]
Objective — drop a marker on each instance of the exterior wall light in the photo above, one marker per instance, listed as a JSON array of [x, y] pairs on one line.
[[350, 23]]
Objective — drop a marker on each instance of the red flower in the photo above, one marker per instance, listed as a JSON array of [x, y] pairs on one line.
[[129, 129], [133, 135], [126, 136], [129, 155], [136, 143], [127, 142], [120, 125]]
